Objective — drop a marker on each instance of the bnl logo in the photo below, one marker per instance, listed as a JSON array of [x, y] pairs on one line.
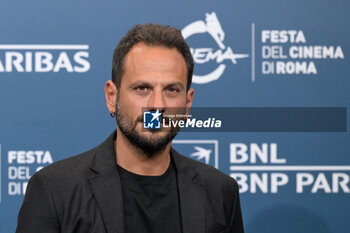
[[206, 151], [151, 119]]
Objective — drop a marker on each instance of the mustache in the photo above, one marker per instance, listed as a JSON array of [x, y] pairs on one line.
[[140, 118], [166, 115]]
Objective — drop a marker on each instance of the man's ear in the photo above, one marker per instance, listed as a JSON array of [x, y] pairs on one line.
[[189, 98], [111, 96]]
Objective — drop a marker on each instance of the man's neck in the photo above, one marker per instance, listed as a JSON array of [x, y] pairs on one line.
[[132, 159]]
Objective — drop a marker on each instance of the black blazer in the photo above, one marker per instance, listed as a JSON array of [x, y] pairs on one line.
[[84, 194]]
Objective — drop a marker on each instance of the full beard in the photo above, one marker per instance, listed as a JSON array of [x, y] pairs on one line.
[[150, 146]]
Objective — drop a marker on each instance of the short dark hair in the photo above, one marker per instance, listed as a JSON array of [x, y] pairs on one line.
[[152, 35]]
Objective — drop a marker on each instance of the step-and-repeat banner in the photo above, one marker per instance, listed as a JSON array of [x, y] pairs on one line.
[[263, 57]]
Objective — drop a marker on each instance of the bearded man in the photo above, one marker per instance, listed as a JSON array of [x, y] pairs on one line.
[[134, 182]]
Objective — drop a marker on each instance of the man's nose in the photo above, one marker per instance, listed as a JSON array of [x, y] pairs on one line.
[[156, 101]]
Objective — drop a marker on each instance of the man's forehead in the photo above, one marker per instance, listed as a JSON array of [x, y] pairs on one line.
[[143, 48], [143, 59]]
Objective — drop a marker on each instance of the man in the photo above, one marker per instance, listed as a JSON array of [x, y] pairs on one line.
[[135, 182]]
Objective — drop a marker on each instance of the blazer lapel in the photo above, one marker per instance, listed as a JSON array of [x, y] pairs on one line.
[[106, 186], [192, 195]]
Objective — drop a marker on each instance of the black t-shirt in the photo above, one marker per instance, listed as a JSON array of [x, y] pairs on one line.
[[151, 203]]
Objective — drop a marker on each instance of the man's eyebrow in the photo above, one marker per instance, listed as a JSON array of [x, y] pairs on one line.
[[140, 83], [174, 84]]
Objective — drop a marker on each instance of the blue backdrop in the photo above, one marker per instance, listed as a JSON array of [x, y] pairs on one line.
[[55, 57]]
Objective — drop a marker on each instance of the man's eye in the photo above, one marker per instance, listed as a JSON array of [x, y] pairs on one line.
[[172, 90], [141, 88]]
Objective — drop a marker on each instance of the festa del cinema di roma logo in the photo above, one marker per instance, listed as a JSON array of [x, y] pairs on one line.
[[212, 26]]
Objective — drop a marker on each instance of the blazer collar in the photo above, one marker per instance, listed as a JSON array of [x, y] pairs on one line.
[[104, 157], [191, 193], [106, 186]]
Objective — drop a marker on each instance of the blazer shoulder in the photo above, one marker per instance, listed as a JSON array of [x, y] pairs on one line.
[[71, 167], [210, 175], [216, 176]]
